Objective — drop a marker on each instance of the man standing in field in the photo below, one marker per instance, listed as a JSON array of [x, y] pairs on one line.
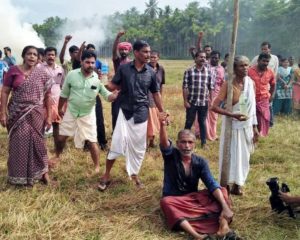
[[264, 79], [153, 122], [273, 64], [73, 51], [9, 59], [56, 72], [99, 108], [207, 48], [135, 79], [120, 56], [196, 88], [79, 120]]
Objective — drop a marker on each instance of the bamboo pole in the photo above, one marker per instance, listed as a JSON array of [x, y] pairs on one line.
[[228, 120]]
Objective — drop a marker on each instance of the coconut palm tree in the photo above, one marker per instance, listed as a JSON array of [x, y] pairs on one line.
[[152, 10]]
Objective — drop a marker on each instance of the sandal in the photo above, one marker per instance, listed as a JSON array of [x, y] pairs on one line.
[[230, 236], [103, 185]]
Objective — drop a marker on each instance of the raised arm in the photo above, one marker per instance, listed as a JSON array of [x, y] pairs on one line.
[[63, 49], [163, 135], [115, 45], [81, 49], [199, 41]]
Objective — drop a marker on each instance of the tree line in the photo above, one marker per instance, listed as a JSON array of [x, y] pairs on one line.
[[173, 31]]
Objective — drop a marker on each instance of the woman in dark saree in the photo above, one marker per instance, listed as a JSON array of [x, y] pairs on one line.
[[24, 117]]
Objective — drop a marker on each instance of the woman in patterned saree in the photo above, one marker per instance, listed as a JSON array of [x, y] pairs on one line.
[[24, 117]]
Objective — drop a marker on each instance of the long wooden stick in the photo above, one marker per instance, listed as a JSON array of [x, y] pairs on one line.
[[228, 123]]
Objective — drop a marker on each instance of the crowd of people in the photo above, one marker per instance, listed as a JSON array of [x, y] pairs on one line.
[[39, 95]]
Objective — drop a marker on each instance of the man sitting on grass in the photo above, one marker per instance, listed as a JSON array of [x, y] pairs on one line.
[[197, 212]]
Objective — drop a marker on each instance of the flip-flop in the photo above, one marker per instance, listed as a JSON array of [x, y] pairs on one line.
[[230, 236], [103, 185]]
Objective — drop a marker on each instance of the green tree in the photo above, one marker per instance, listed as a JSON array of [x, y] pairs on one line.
[[152, 10], [49, 30]]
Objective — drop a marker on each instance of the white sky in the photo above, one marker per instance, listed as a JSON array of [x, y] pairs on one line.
[[35, 11]]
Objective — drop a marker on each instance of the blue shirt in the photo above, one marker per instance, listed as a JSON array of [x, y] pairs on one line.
[[98, 64], [176, 183], [3, 69]]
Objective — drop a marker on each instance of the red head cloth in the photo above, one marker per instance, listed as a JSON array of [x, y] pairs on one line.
[[125, 46]]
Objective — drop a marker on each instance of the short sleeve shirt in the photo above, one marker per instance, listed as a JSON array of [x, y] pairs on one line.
[[81, 92], [176, 183], [262, 81], [135, 86], [160, 78]]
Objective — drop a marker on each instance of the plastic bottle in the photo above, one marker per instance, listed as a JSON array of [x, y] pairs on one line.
[[243, 104]]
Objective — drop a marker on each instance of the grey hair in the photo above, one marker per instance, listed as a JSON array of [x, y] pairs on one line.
[[185, 132], [240, 58]]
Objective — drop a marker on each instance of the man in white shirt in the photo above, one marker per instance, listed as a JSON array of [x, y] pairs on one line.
[[274, 63]]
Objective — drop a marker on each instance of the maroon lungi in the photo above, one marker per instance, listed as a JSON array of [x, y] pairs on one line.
[[200, 209]]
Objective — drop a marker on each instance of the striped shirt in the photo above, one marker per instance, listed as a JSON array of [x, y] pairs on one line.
[[199, 83]]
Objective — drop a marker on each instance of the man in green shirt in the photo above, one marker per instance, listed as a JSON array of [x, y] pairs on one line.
[[80, 89]]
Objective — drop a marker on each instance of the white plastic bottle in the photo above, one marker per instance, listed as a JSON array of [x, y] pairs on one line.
[[243, 104]]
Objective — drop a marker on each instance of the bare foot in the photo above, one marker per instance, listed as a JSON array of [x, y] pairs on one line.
[[46, 179], [137, 181], [224, 228], [52, 162], [97, 169], [49, 182]]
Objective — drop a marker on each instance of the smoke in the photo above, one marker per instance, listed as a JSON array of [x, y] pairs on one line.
[[15, 33], [83, 30]]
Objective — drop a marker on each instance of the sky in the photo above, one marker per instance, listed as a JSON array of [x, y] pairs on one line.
[[35, 11], [17, 32]]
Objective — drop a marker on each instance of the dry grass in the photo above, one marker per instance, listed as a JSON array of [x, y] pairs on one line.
[[76, 210]]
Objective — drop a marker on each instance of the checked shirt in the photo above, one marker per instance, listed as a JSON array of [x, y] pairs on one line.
[[199, 83]]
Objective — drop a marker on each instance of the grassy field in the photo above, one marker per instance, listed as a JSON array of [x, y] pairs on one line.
[[76, 210]]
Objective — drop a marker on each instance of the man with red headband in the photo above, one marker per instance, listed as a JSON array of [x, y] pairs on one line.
[[120, 54]]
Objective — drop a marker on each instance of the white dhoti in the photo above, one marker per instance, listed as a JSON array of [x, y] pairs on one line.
[[241, 139], [240, 150], [81, 128], [129, 140]]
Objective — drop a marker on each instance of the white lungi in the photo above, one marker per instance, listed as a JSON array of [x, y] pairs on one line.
[[82, 128], [130, 140]]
